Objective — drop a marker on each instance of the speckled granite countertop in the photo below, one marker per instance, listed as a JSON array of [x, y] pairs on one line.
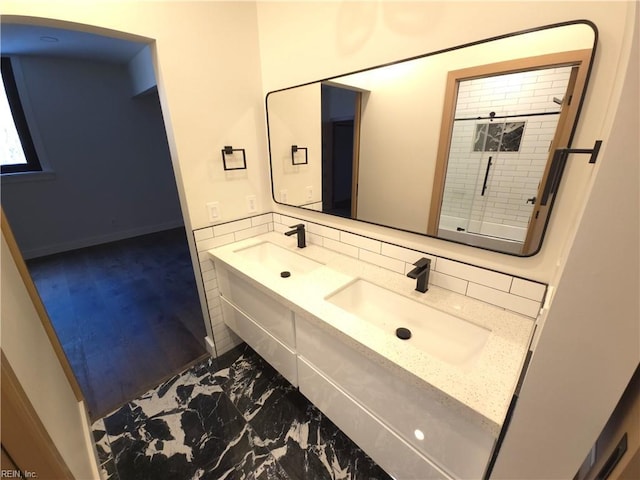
[[481, 392]]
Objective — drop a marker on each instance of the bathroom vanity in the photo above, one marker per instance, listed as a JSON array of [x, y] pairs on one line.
[[431, 406]]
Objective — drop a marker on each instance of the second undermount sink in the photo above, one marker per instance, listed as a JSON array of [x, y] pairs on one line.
[[278, 259], [439, 334]]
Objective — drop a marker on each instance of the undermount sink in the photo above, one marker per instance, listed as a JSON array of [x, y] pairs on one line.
[[439, 334], [278, 259]]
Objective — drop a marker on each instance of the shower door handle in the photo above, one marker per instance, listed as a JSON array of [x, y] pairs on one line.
[[486, 177]]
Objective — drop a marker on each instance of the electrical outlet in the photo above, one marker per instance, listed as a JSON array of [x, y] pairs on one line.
[[214, 211], [251, 204], [283, 196], [309, 192]]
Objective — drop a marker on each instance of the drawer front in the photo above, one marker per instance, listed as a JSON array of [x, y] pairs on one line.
[[257, 305], [388, 450], [454, 444], [266, 345]]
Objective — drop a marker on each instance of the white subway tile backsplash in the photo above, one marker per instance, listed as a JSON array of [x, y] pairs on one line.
[[211, 286], [209, 275], [214, 305], [203, 234], [327, 232], [448, 274], [382, 261], [215, 310], [314, 239], [505, 300], [280, 227], [250, 232], [448, 282], [231, 227], [209, 243], [404, 254], [528, 289], [206, 265], [220, 331], [361, 242], [479, 275], [289, 221], [340, 247], [262, 219]]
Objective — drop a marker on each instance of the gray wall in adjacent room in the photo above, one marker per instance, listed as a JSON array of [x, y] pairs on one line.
[[113, 176]]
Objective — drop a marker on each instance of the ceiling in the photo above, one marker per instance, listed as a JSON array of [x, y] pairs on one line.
[[40, 40]]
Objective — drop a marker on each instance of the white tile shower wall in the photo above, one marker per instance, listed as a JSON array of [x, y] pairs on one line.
[[514, 178], [513, 94], [217, 235], [511, 293]]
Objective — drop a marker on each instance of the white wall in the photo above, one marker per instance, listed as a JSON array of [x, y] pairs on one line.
[[141, 71], [108, 151], [34, 362]]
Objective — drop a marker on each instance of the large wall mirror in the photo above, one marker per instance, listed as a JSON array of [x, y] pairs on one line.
[[458, 144]]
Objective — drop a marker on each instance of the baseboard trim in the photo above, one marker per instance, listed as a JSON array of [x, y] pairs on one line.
[[99, 239], [210, 346]]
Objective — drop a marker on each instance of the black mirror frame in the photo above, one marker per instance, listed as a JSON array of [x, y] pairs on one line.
[[437, 52]]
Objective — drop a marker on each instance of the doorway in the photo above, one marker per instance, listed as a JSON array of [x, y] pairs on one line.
[[101, 226], [340, 150]]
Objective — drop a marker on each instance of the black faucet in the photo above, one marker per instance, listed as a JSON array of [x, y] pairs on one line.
[[421, 272], [299, 231]]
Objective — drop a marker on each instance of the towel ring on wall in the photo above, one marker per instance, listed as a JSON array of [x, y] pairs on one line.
[[229, 150], [294, 150]]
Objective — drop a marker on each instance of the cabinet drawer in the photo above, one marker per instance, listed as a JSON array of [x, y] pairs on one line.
[[266, 345], [263, 309], [416, 414], [388, 450]]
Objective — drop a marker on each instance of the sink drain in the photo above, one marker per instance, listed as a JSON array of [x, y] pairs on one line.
[[285, 274], [403, 333]]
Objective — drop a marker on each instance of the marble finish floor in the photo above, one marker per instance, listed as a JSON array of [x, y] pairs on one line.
[[230, 418]]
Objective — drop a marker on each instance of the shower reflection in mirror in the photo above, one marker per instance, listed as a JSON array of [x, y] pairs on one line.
[[497, 159]]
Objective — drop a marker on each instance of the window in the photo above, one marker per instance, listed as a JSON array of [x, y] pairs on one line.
[[17, 152], [493, 137]]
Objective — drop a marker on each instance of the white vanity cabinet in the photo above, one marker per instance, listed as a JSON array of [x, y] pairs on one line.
[[384, 446], [261, 321], [414, 412], [370, 403]]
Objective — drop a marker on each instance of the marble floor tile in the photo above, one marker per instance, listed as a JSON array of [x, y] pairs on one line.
[[103, 448], [231, 418], [305, 442]]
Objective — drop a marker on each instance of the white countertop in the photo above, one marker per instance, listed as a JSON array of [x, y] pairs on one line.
[[482, 392]]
